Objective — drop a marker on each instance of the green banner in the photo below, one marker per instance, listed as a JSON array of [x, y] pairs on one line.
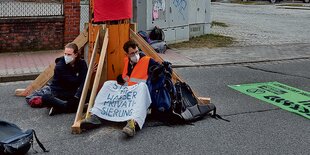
[[281, 95]]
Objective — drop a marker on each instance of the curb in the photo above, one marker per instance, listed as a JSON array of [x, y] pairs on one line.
[[238, 63], [15, 78], [296, 8]]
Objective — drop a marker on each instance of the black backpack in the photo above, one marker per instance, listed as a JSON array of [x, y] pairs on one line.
[[14, 141], [188, 107], [185, 107], [157, 34], [160, 86]]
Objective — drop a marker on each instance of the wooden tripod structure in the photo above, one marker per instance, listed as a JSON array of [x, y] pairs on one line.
[[105, 49]]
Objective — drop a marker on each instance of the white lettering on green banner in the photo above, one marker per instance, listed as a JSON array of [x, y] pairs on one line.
[[281, 95]]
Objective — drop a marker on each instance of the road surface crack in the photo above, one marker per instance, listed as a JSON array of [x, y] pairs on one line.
[[275, 72]]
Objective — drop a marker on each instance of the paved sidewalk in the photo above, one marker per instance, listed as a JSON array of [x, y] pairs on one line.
[[247, 54], [27, 66]]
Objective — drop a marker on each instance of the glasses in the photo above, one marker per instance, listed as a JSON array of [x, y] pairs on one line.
[[133, 53]]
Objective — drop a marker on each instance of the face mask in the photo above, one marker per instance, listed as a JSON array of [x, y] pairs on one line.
[[135, 58], [68, 59]]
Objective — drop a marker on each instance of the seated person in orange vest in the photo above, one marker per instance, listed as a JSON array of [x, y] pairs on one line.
[[63, 92], [126, 99]]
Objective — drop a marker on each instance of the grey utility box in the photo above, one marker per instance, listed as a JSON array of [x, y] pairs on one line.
[[180, 19], [199, 17]]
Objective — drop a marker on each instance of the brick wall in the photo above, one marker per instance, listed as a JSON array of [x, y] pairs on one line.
[[31, 33], [72, 20], [18, 34]]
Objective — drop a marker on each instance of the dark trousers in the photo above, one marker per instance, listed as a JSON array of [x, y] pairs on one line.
[[63, 103]]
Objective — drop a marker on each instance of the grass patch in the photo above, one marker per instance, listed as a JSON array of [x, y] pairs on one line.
[[220, 24], [208, 40], [297, 5]]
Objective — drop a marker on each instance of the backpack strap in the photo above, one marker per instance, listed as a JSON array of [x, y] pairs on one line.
[[40, 144], [215, 115]]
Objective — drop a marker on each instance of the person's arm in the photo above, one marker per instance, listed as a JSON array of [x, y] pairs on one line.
[[59, 71], [82, 76]]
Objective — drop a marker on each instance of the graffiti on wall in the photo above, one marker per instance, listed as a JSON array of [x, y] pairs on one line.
[[158, 7], [181, 7]]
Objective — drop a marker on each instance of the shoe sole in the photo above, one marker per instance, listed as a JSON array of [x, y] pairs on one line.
[[128, 132]]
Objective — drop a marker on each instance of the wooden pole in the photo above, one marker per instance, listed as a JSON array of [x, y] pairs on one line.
[[76, 125], [98, 73]]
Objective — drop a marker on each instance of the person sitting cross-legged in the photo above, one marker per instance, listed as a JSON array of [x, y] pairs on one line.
[[63, 92], [126, 99]]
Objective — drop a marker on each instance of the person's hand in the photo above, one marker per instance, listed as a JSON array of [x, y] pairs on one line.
[[120, 80]]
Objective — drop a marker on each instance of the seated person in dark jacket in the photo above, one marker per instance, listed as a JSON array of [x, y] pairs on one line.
[[67, 83]]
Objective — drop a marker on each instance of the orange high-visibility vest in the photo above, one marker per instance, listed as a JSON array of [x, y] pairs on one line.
[[139, 72]]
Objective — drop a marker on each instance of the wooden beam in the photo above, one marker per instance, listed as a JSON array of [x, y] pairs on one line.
[[98, 73], [38, 83], [133, 26], [48, 73], [76, 125], [81, 39], [148, 50]]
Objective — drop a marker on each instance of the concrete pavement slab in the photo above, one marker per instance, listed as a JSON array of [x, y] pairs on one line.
[[177, 60], [227, 55], [26, 65]]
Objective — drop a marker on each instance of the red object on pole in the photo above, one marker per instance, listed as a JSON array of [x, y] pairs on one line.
[[106, 10]]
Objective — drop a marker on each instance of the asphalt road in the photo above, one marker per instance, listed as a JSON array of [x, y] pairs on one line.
[[256, 127]]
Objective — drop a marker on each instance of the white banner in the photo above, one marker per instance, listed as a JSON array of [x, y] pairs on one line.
[[119, 103]]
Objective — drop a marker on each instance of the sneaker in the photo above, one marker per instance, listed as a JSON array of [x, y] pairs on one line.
[[90, 123], [129, 129]]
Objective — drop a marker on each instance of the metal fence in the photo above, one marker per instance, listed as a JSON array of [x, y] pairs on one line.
[[30, 8]]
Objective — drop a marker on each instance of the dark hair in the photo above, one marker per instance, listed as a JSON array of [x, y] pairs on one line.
[[130, 43], [75, 49]]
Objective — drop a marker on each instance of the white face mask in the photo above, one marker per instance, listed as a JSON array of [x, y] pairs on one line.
[[68, 59], [135, 58]]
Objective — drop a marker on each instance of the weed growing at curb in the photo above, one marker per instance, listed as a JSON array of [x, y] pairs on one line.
[[251, 2], [220, 24], [294, 5], [208, 40]]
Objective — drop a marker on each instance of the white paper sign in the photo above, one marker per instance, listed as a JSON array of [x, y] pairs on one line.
[[119, 103]]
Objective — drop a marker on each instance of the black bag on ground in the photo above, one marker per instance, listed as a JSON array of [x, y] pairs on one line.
[[14, 141], [188, 107], [157, 34]]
